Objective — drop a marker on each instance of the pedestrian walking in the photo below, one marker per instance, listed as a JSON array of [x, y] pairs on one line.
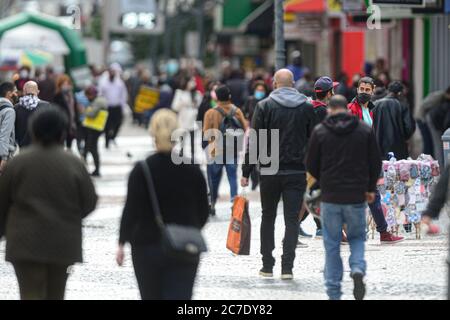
[[185, 103], [113, 88], [260, 91], [289, 112], [159, 276], [393, 123], [324, 90], [343, 156], [45, 193], [224, 116], [65, 100], [8, 96], [47, 85], [97, 104], [28, 104], [361, 106]]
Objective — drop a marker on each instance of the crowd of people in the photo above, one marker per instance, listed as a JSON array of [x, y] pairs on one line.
[[330, 135]]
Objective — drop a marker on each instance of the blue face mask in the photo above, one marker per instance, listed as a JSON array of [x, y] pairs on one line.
[[259, 95]]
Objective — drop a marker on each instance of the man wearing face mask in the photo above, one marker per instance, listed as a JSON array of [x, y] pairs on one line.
[[8, 96], [24, 77], [361, 107]]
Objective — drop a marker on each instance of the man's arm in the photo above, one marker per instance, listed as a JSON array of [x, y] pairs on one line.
[[313, 156], [6, 128], [257, 124]]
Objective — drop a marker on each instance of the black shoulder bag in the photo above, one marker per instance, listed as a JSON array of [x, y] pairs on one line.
[[182, 243]]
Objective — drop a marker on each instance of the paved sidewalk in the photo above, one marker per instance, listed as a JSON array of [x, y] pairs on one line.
[[413, 269]]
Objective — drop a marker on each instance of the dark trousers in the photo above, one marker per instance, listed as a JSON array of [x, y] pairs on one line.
[[81, 138], [38, 281], [113, 124], [316, 220], [160, 278], [272, 188], [377, 213], [91, 147]]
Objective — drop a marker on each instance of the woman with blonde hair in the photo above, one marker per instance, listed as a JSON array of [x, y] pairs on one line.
[[65, 100], [182, 199]]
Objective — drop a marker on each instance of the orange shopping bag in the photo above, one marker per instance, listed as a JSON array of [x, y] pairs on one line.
[[240, 228]]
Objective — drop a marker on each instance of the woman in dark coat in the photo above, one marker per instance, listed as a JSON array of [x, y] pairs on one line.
[[182, 197], [45, 193], [65, 100]]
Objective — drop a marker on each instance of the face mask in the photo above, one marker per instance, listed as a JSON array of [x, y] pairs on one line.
[[259, 95], [363, 98], [24, 74]]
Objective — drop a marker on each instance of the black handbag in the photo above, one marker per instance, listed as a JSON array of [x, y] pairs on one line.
[[183, 243]]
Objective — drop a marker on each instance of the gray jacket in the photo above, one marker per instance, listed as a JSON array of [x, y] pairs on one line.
[[7, 135]]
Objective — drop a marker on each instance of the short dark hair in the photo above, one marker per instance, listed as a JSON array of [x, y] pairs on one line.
[[223, 93], [322, 94], [367, 80], [260, 83], [6, 87], [338, 102], [48, 126]]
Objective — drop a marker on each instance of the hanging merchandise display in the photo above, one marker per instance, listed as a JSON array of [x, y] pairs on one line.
[[405, 189]]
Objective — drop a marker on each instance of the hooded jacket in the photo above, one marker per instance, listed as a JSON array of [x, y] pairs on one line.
[[7, 139], [343, 156], [24, 109], [393, 125], [289, 112], [320, 109]]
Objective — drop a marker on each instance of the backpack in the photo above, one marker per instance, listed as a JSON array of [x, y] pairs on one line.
[[229, 121]]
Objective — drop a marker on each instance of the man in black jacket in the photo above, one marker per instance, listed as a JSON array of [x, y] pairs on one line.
[[393, 123], [344, 157], [27, 105], [288, 113]]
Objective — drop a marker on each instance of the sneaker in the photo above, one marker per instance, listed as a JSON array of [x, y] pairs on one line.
[[319, 233], [287, 275], [302, 233], [266, 272], [389, 238], [301, 244], [359, 289], [95, 174]]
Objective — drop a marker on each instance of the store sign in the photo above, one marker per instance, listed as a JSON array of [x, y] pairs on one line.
[[134, 16], [399, 3], [146, 99]]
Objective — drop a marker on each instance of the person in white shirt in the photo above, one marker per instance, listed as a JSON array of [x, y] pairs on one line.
[[114, 90], [186, 101]]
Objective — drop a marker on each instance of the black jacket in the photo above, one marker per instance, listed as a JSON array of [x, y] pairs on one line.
[[23, 137], [289, 112], [440, 116], [343, 155], [249, 107], [182, 195], [393, 125]]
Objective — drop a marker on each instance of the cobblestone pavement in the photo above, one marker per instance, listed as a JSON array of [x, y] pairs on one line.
[[413, 269]]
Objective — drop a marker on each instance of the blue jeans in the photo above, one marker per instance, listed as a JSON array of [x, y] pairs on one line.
[[215, 175], [334, 216]]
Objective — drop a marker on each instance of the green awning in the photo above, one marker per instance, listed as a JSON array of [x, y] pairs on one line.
[[77, 55]]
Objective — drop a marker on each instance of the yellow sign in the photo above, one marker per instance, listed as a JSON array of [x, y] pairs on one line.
[[146, 99], [98, 123]]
